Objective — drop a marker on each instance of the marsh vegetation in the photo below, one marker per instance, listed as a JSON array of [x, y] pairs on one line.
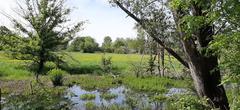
[[185, 56]]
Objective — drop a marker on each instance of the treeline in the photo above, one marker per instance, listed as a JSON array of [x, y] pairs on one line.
[[87, 44]]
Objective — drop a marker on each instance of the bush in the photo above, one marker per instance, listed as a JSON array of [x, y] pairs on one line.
[[50, 65], [106, 64], [138, 69], [188, 102], [56, 76]]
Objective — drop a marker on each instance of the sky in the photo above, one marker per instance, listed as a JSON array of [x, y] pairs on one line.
[[102, 19]]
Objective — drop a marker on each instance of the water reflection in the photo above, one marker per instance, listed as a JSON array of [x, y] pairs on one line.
[[125, 98]]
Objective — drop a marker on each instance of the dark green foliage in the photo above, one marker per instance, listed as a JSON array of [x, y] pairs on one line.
[[84, 44], [136, 45], [226, 43], [82, 69], [120, 46], [56, 76], [107, 45], [227, 47]]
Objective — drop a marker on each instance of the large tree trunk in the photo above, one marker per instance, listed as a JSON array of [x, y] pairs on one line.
[[207, 81], [204, 71], [203, 64]]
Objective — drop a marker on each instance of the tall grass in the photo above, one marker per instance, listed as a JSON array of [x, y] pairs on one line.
[[13, 71], [154, 84], [120, 62]]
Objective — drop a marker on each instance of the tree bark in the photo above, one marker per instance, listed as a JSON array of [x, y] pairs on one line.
[[40, 64], [162, 56], [204, 71], [40, 68], [207, 81]]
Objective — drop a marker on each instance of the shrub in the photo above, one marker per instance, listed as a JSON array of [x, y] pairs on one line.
[[159, 98], [50, 65], [56, 76], [106, 64], [188, 102], [138, 69]]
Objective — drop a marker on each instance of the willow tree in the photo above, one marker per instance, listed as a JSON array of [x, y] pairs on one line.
[[196, 22], [44, 25]]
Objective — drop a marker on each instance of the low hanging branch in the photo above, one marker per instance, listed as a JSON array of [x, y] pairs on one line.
[[141, 22]]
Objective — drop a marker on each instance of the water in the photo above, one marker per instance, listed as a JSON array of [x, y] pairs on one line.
[[174, 91], [75, 92], [125, 98]]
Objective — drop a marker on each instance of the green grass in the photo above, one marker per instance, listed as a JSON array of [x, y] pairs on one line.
[[85, 61], [13, 71], [108, 96], [91, 82], [147, 84], [82, 63], [88, 96], [154, 84]]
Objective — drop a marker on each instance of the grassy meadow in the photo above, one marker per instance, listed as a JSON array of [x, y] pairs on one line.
[[79, 63]]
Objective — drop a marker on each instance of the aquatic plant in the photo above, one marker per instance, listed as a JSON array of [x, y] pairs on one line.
[[88, 96], [108, 96], [90, 106]]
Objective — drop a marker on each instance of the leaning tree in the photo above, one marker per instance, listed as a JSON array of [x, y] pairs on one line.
[[45, 27], [195, 22]]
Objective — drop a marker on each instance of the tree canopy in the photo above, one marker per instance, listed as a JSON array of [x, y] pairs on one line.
[[44, 29]]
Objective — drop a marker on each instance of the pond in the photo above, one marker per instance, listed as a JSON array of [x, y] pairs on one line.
[[125, 97]]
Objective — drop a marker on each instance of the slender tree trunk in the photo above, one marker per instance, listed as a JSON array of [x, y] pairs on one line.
[[159, 64], [40, 64], [162, 56], [40, 68]]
